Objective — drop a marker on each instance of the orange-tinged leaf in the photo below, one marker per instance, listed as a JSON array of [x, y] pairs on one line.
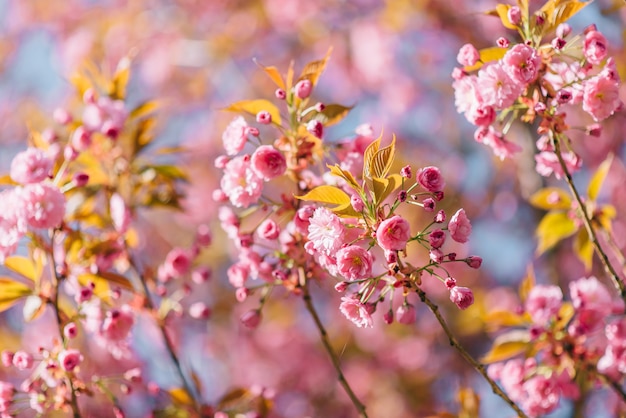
[[102, 288], [117, 89], [502, 10], [604, 216], [368, 156], [7, 181], [470, 403], [117, 279], [498, 319], [554, 227], [313, 70], [289, 81], [11, 291], [274, 74], [487, 55], [559, 11], [595, 184], [393, 182], [326, 194], [23, 266], [233, 398], [507, 346], [566, 313], [144, 109], [336, 170], [584, 249], [383, 159], [333, 113], [255, 106], [180, 396], [527, 284], [551, 198], [345, 211]]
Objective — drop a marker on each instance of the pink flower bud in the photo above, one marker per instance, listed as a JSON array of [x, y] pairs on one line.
[[89, 96], [429, 204], [81, 139], [436, 238], [80, 179], [22, 360], [221, 161], [563, 30], [264, 117], [406, 314], [69, 359], [61, 116], [269, 229], [303, 88], [341, 287], [199, 310], [251, 319], [357, 203], [558, 43], [218, 195], [436, 255], [514, 15], [280, 94], [460, 227], [468, 55], [241, 294], [319, 107], [440, 217], [7, 358], [391, 257], [474, 261], [70, 331], [388, 317], [450, 283], [594, 130], [49, 136], [316, 128], [462, 297], [133, 375], [406, 172], [503, 42], [201, 275]]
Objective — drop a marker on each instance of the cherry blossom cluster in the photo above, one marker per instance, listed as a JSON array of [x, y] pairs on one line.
[[364, 242], [530, 80], [563, 340]]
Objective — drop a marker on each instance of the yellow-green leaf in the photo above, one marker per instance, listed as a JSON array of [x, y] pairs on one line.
[[180, 396], [604, 215], [598, 178], [487, 55], [393, 182], [345, 211], [383, 159], [368, 156], [333, 113], [11, 291], [274, 74], [7, 181], [584, 248], [502, 10], [314, 69], [527, 283], [507, 346], [336, 170], [469, 402], [117, 89], [23, 266], [566, 313], [379, 185], [551, 198], [498, 319], [554, 227], [559, 11], [326, 194], [117, 279], [144, 108], [255, 106]]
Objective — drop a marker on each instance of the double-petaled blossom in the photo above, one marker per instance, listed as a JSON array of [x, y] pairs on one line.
[[267, 162], [235, 136], [356, 311], [543, 303], [326, 231], [601, 96], [354, 262], [460, 227], [430, 178], [522, 64], [31, 166], [43, 205], [393, 233], [240, 183]]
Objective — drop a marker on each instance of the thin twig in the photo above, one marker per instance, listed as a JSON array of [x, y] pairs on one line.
[[333, 356], [55, 305], [616, 250], [480, 368], [608, 267], [189, 388], [615, 385]]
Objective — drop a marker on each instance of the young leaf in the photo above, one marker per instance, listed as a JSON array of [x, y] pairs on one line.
[[180, 396], [255, 106], [313, 70], [383, 159], [117, 89], [498, 319], [345, 211], [502, 11], [33, 308], [102, 288], [554, 227], [22, 266], [527, 284], [598, 178], [551, 198], [11, 291], [144, 109], [326, 194], [273, 73], [469, 402], [379, 185], [493, 53], [368, 156], [346, 175], [393, 182], [333, 113], [507, 345], [7, 181], [566, 313], [559, 11], [584, 248]]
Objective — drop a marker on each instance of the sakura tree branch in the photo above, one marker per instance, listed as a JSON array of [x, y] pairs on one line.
[[604, 259], [329, 349], [480, 368]]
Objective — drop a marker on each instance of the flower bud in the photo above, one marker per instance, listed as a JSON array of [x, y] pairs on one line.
[[303, 88], [264, 117], [251, 319], [406, 314], [462, 297], [514, 15], [280, 94], [474, 261], [315, 127]]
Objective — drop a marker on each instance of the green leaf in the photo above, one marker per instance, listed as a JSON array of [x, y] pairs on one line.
[[493, 53], [598, 178], [584, 249], [551, 198], [23, 266], [507, 346], [255, 106], [326, 194], [333, 113], [11, 291], [554, 227]]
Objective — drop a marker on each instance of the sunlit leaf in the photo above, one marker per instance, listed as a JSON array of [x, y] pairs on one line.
[[527, 283], [333, 113], [346, 211], [11, 291], [101, 289], [7, 181], [144, 109], [551, 198], [144, 134], [313, 70], [498, 319], [604, 215], [559, 11], [117, 279], [169, 171], [326, 194], [469, 402], [487, 55], [274, 74], [554, 227], [233, 398], [368, 156], [584, 249], [180, 396], [33, 308], [502, 11], [336, 170], [566, 313], [383, 159], [117, 89], [394, 181], [255, 106], [595, 184], [507, 346], [23, 266]]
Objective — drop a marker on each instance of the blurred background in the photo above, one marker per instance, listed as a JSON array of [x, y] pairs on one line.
[[392, 60]]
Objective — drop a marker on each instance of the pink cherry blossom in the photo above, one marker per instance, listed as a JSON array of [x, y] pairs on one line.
[[595, 47], [22, 360], [326, 231], [268, 162], [12, 222], [499, 145], [268, 229], [44, 205], [31, 166], [240, 183], [522, 64], [466, 93], [462, 297], [118, 323], [69, 359], [430, 178], [460, 227], [547, 163], [356, 312], [251, 319], [601, 96], [436, 238], [543, 303], [468, 55], [406, 314], [354, 262], [177, 263], [235, 136], [392, 234], [496, 87]]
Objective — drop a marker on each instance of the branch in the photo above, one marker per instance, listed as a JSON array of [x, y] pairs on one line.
[[329, 349], [617, 282], [480, 368]]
